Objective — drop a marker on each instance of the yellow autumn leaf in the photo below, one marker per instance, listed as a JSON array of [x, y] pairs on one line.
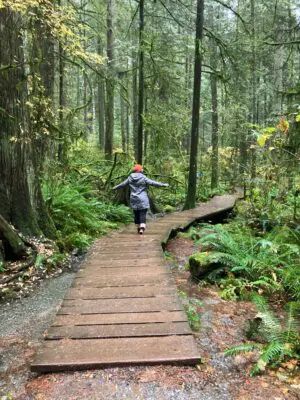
[[261, 140], [283, 125]]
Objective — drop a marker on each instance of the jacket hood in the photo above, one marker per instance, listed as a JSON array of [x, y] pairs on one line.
[[137, 177]]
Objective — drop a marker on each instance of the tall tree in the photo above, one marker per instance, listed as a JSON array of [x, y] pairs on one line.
[[214, 116], [100, 101], [62, 156], [42, 93], [110, 81], [192, 180], [140, 133], [15, 203]]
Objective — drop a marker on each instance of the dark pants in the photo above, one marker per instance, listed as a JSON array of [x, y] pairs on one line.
[[140, 216]]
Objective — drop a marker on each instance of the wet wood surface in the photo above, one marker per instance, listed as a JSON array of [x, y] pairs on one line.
[[123, 307]]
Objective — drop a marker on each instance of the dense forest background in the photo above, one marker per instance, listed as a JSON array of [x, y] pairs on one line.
[[89, 87], [205, 94]]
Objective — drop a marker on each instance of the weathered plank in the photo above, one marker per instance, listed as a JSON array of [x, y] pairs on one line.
[[117, 331], [115, 281], [98, 271], [118, 255], [133, 305], [119, 292], [70, 354], [117, 319], [127, 261]]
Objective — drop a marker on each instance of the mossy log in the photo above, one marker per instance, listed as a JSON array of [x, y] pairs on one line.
[[201, 265]]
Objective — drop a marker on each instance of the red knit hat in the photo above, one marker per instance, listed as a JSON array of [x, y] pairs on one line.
[[138, 168]]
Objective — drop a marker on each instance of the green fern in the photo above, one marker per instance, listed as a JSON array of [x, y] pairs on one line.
[[270, 263], [79, 215], [282, 341], [242, 348]]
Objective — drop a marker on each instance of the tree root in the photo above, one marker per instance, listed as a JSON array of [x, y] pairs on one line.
[[19, 270]]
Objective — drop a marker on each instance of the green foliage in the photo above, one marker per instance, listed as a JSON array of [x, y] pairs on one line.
[[282, 341], [193, 233], [168, 209], [193, 317], [269, 264], [271, 204], [40, 261], [191, 306], [2, 268], [78, 213]]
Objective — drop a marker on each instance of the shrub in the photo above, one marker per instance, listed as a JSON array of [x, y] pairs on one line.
[[79, 215], [269, 264], [281, 342]]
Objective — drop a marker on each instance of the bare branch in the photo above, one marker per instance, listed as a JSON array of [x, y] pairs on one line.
[[282, 43], [234, 12]]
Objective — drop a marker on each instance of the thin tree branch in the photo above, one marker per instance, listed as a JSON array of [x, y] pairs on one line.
[[234, 12], [282, 43]]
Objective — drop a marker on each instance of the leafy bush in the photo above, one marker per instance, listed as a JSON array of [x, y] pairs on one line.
[[280, 341], [270, 207], [269, 264], [79, 215]]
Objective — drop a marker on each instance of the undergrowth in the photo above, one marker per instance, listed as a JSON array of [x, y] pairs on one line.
[[79, 214], [191, 306], [254, 264], [280, 340], [268, 264]]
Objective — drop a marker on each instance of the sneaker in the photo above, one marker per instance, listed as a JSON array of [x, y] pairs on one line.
[[141, 231]]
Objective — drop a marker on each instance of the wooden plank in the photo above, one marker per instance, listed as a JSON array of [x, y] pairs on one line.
[[127, 264], [141, 254], [134, 318], [97, 271], [126, 248], [69, 354], [123, 281], [126, 261], [118, 331], [106, 306], [119, 292], [135, 251]]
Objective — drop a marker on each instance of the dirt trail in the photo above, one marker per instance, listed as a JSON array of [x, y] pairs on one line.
[[218, 378]]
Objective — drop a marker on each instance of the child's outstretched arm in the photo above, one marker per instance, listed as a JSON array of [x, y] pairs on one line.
[[155, 183], [122, 184]]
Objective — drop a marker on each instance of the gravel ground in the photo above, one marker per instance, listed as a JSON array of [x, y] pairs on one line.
[[30, 316]]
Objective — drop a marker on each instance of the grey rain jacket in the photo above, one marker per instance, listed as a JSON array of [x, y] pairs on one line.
[[138, 184]]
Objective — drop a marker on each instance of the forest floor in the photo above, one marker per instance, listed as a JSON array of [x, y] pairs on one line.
[[218, 378]]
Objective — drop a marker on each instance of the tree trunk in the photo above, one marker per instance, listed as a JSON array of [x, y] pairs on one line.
[[101, 103], [110, 85], [188, 84], [214, 121], [10, 237], [123, 113], [192, 181], [134, 105], [15, 203], [146, 133], [140, 132], [254, 114], [43, 88], [62, 156]]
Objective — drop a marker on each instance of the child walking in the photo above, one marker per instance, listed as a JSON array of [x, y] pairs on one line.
[[139, 200]]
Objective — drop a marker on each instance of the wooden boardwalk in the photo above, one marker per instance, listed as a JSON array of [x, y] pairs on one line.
[[123, 308]]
